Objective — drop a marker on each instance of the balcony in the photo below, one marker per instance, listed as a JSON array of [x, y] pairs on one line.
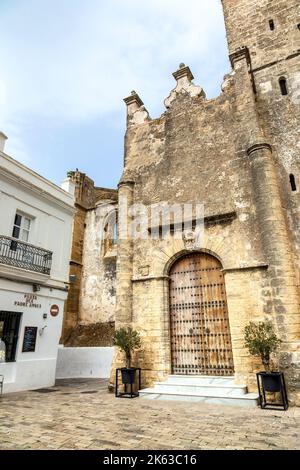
[[23, 256]]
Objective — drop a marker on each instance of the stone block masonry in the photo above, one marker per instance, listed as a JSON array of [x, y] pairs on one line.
[[91, 298], [235, 154], [238, 155]]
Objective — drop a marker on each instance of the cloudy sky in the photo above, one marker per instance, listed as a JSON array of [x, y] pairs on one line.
[[66, 66]]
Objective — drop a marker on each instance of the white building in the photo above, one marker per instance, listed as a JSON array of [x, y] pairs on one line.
[[35, 241]]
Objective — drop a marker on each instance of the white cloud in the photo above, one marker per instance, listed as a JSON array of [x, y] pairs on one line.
[[73, 60]]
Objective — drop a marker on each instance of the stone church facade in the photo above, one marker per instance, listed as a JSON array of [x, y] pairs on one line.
[[238, 155]]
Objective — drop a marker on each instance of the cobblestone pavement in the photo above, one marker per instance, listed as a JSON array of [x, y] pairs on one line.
[[81, 414]]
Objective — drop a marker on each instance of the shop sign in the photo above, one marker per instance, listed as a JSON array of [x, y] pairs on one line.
[[28, 300]]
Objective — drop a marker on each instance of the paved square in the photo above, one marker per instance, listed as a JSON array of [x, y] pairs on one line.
[[81, 414]]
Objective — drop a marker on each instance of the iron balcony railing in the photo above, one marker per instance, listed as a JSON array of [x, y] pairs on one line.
[[20, 254]]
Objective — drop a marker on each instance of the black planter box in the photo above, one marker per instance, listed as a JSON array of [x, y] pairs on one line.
[[272, 382], [129, 376]]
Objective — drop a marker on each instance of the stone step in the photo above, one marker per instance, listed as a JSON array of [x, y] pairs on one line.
[[219, 389], [249, 400], [201, 379], [202, 389]]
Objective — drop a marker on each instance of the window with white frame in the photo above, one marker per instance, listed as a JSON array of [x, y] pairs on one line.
[[22, 225]]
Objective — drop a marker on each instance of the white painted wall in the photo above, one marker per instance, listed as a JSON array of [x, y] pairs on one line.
[[32, 369], [51, 209], [84, 362]]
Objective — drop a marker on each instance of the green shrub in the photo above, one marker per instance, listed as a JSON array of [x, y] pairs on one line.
[[261, 341], [127, 340]]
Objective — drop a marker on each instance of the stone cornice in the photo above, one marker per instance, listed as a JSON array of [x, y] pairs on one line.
[[52, 287], [150, 278], [275, 62], [243, 53], [208, 220], [260, 267], [73, 262], [78, 205], [240, 54], [24, 275], [183, 72], [37, 191], [133, 98], [126, 182], [220, 218]]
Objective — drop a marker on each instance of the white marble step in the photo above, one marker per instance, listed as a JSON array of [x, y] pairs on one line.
[[249, 400], [203, 388], [201, 379]]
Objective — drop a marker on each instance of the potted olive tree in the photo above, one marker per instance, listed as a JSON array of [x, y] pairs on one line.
[[127, 340], [261, 341]]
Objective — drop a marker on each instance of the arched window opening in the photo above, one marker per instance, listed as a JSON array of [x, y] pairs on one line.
[[283, 86], [115, 234], [110, 238], [272, 25], [293, 182]]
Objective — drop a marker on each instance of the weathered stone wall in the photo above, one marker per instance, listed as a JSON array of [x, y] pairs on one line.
[[234, 154], [280, 115], [247, 289], [190, 155], [72, 302], [98, 283], [91, 298], [274, 54], [247, 24], [84, 199]]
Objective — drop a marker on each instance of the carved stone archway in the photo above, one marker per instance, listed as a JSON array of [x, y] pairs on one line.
[[199, 325]]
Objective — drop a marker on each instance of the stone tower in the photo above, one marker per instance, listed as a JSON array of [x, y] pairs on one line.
[[269, 34]]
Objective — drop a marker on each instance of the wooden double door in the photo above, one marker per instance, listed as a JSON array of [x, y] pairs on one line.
[[200, 331]]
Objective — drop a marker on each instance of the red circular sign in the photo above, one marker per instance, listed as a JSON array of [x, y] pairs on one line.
[[54, 310]]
